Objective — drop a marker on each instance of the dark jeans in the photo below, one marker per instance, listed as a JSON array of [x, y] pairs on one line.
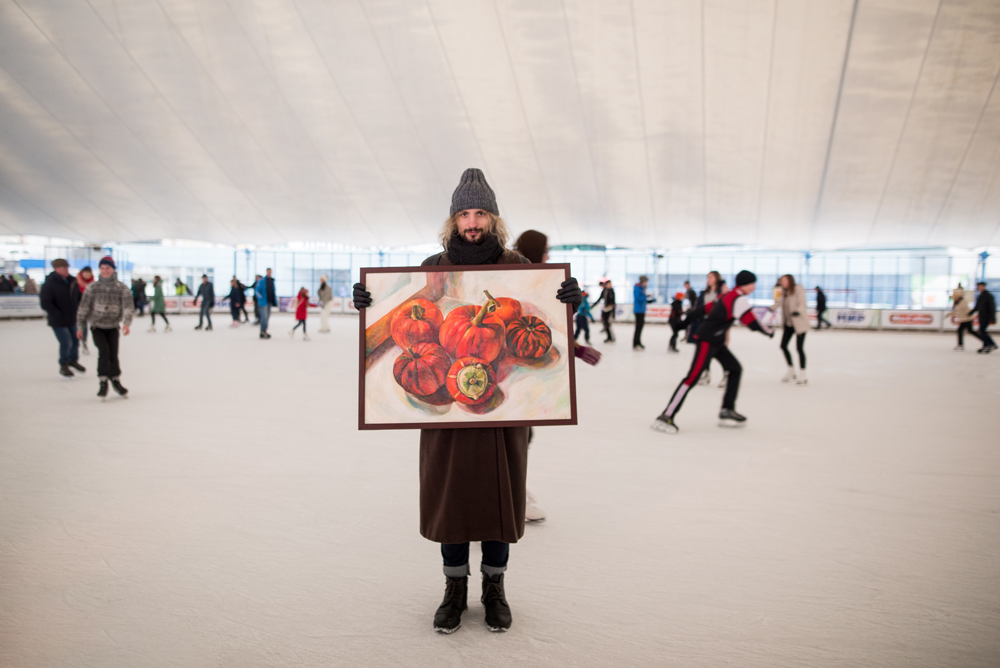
[[235, 310], [966, 327], [205, 312], [673, 339], [153, 314], [820, 320], [606, 319], [456, 557], [640, 322], [300, 322], [264, 313], [140, 306], [582, 326], [106, 341], [69, 345], [243, 308], [702, 356], [984, 335], [800, 340]]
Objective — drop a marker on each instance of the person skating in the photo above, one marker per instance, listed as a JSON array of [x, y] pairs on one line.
[[676, 318], [159, 306], [794, 321], [237, 298], [30, 287], [253, 295], [301, 313], [139, 295], [207, 293], [583, 319], [266, 298], [607, 311], [325, 295], [699, 309], [84, 278], [106, 304], [60, 299], [961, 311], [821, 309], [986, 307], [472, 481], [711, 337], [690, 294], [639, 301]]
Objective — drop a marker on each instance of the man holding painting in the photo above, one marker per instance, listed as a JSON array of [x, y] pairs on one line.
[[472, 480]]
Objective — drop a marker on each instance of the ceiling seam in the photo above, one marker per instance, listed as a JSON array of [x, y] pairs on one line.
[[965, 154], [583, 115], [354, 119], [309, 142], [833, 124], [767, 124], [527, 125], [906, 122], [642, 119]]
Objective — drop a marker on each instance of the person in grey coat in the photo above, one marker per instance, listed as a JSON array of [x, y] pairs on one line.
[[207, 293], [106, 303]]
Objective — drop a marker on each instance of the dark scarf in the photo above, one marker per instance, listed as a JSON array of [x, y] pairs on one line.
[[461, 251]]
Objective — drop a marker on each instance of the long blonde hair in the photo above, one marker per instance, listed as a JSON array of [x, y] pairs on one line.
[[497, 228]]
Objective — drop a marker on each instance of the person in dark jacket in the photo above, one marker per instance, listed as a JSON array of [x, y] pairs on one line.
[[689, 293], [821, 309], [207, 293], [60, 298], [676, 318], [472, 481], [6, 286], [607, 311], [986, 307], [139, 295], [639, 301], [267, 297], [699, 309], [237, 298], [253, 295]]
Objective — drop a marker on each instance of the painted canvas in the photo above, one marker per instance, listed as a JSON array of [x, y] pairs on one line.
[[476, 347]]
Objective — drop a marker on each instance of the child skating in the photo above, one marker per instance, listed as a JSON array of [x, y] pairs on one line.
[[301, 310], [711, 342]]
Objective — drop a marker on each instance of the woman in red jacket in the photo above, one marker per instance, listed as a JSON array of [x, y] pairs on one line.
[[301, 308]]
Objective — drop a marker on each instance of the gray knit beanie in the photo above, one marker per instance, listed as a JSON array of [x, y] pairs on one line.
[[474, 193]]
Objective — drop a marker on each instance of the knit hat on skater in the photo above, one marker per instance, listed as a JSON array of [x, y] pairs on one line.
[[745, 278], [107, 260], [474, 193]]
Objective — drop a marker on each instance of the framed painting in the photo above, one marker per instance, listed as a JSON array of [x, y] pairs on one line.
[[481, 346]]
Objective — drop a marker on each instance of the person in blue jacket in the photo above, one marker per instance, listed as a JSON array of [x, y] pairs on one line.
[[639, 301], [266, 298]]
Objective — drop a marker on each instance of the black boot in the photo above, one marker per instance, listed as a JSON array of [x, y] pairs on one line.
[[65, 372], [448, 617], [497, 611], [102, 391], [78, 366], [119, 388]]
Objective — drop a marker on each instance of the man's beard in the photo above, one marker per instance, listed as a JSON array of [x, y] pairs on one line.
[[480, 236]]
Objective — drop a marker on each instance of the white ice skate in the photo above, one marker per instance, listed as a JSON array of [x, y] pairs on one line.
[[151, 330], [85, 350], [168, 329], [801, 380], [532, 513], [664, 424], [959, 348], [305, 337], [291, 334], [725, 379], [706, 378], [789, 375]]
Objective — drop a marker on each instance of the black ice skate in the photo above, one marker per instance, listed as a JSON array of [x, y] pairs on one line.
[[102, 391], [730, 418], [78, 366], [208, 329], [498, 617], [119, 388], [448, 617], [198, 327], [65, 372], [664, 424]]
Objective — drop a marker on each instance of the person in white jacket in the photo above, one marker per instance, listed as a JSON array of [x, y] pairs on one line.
[[325, 295], [960, 311], [795, 321]]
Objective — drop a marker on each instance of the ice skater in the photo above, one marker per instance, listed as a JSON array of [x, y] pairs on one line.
[[301, 313], [676, 318], [583, 319], [106, 304], [325, 295], [266, 298], [960, 311], [986, 307], [794, 322], [159, 306], [84, 278], [472, 481], [821, 309], [699, 309], [711, 339], [639, 301], [60, 299], [207, 293], [237, 299], [607, 311]]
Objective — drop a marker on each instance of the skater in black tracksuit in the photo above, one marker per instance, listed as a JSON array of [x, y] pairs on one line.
[[711, 339], [676, 318]]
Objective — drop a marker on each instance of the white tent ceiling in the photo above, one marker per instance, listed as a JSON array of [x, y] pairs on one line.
[[783, 123]]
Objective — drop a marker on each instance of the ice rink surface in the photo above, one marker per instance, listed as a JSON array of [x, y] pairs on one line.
[[230, 514]]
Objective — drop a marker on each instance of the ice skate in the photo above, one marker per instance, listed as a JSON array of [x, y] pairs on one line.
[[65, 372], [706, 378], [79, 367], [801, 380], [168, 329], [85, 350], [789, 375], [119, 388], [305, 337], [959, 347], [208, 329], [725, 379], [730, 418], [198, 327], [102, 390], [151, 330], [664, 424], [498, 617], [532, 513], [448, 617], [291, 334]]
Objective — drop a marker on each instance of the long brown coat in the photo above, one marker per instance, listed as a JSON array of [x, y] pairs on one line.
[[472, 481]]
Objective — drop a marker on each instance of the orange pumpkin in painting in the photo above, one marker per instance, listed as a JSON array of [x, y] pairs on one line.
[[473, 331], [416, 321], [471, 381], [422, 369], [528, 336], [507, 309]]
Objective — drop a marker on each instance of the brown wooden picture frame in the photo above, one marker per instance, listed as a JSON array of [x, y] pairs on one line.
[[374, 344]]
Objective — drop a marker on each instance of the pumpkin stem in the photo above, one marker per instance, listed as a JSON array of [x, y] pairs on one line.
[[490, 306], [417, 312]]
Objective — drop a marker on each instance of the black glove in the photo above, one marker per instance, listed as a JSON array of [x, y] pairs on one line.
[[570, 293], [362, 298], [770, 335]]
